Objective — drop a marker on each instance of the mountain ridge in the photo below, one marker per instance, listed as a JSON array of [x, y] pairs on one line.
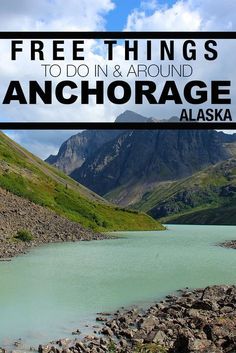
[[149, 156], [74, 151], [128, 166]]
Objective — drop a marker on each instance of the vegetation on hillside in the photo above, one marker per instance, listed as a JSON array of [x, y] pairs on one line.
[[225, 215], [24, 235], [207, 197], [27, 176]]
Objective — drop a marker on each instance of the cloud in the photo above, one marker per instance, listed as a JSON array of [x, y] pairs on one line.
[[45, 15], [176, 18], [57, 15], [192, 15], [188, 15], [215, 15]]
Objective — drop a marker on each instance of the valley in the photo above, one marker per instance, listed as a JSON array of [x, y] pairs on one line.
[[175, 176], [139, 180]]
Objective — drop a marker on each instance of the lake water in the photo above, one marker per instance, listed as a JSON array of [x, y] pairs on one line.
[[58, 288]]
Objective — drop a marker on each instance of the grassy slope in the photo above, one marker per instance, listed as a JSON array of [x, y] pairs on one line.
[[209, 204], [27, 176], [220, 215]]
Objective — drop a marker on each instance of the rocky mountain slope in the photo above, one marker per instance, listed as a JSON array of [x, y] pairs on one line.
[[41, 224], [78, 148], [73, 152], [141, 169], [138, 160], [26, 176], [207, 197]]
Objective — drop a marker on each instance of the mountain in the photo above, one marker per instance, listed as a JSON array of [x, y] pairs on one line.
[[73, 152], [126, 167], [131, 117], [207, 197], [226, 138], [79, 147], [25, 175]]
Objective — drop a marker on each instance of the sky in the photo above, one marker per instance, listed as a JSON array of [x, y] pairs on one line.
[[102, 15], [117, 18]]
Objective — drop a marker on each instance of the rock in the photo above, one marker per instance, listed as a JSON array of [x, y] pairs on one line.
[[159, 337], [229, 244], [226, 309], [17, 343], [197, 345], [137, 341], [181, 344], [123, 343], [198, 321], [45, 226], [106, 331], [215, 332], [149, 323], [194, 313], [160, 306], [63, 342], [100, 318], [214, 293], [76, 332], [127, 334], [205, 305], [81, 346], [48, 348]]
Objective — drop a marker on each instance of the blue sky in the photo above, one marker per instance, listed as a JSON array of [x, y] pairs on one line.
[[117, 18]]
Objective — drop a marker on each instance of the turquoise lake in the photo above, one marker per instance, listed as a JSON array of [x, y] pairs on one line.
[[58, 288]]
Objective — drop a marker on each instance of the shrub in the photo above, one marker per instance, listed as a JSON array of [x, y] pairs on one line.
[[24, 235], [111, 347]]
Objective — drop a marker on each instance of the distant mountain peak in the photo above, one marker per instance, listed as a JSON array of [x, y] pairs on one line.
[[174, 119], [131, 117]]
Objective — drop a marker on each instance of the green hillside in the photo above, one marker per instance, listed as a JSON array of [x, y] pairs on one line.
[[27, 176], [207, 197], [225, 215]]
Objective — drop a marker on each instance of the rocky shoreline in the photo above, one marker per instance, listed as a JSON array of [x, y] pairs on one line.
[[202, 320], [229, 244], [46, 226]]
